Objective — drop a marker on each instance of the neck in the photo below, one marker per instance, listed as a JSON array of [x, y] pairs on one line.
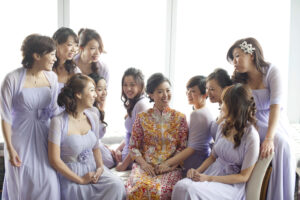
[[34, 71], [79, 111], [160, 108], [199, 105], [62, 62], [254, 73]]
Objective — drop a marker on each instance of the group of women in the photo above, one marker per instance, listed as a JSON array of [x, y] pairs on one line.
[[53, 119]]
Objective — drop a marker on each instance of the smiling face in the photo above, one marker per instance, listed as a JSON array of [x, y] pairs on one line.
[[66, 51], [243, 62], [130, 88], [194, 96], [214, 91], [91, 52], [101, 92], [46, 61], [162, 95], [88, 95]]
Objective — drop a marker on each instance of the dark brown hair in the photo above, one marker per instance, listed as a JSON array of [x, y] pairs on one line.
[[96, 77], [154, 81], [86, 35], [61, 36], [221, 76], [35, 43], [241, 110], [75, 85], [200, 81], [139, 80], [259, 60]]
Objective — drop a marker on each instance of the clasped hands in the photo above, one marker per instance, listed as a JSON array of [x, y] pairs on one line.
[[92, 177], [198, 177], [158, 169]]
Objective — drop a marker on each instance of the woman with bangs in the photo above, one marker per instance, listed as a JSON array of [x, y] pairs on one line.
[[66, 44], [223, 175], [28, 101]]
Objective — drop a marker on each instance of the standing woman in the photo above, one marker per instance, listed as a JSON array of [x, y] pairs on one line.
[[199, 127], [216, 82], [223, 175], [28, 100], [74, 146], [66, 43], [134, 100], [157, 135], [90, 49], [101, 91], [264, 79]]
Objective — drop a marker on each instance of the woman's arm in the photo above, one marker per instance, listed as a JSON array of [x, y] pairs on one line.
[[13, 155], [210, 160], [122, 166], [267, 146], [99, 164], [61, 167], [242, 177]]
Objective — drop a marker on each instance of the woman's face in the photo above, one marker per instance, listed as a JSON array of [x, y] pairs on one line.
[[101, 92], [214, 91], [194, 96], [91, 52], [224, 109], [67, 50], [242, 61], [88, 95], [162, 95], [130, 88], [46, 61]]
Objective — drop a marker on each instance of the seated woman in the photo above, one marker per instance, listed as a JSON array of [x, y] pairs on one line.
[[101, 91], [157, 135], [133, 89], [73, 146], [223, 175], [216, 82], [199, 128]]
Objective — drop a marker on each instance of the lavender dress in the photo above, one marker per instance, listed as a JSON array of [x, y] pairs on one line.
[[28, 110], [77, 153], [282, 181], [102, 68], [199, 137], [141, 106], [229, 160]]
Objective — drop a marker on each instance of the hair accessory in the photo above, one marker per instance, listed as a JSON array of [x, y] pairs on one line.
[[247, 48]]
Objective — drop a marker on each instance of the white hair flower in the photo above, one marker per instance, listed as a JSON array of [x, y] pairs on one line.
[[247, 48]]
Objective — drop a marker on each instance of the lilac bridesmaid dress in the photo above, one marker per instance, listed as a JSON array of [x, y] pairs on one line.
[[199, 137], [282, 181], [77, 153], [28, 110], [229, 160]]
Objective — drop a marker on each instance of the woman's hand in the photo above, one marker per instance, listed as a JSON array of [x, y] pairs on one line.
[[87, 178], [97, 175], [14, 158], [266, 148], [118, 156], [121, 167], [191, 173], [148, 169], [201, 177], [164, 168]]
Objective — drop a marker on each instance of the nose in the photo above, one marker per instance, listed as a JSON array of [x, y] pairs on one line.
[[234, 61]]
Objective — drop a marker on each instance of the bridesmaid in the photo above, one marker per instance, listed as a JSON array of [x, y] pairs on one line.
[[199, 128], [101, 91], [264, 79], [216, 82], [28, 100], [66, 43], [223, 175], [90, 49], [134, 100], [74, 146]]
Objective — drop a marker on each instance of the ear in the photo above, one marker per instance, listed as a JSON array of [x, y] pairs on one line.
[[78, 96], [205, 96], [36, 56], [252, 57]]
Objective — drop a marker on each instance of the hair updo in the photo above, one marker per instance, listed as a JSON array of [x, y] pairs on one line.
[[75, 85], [154, 81]]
